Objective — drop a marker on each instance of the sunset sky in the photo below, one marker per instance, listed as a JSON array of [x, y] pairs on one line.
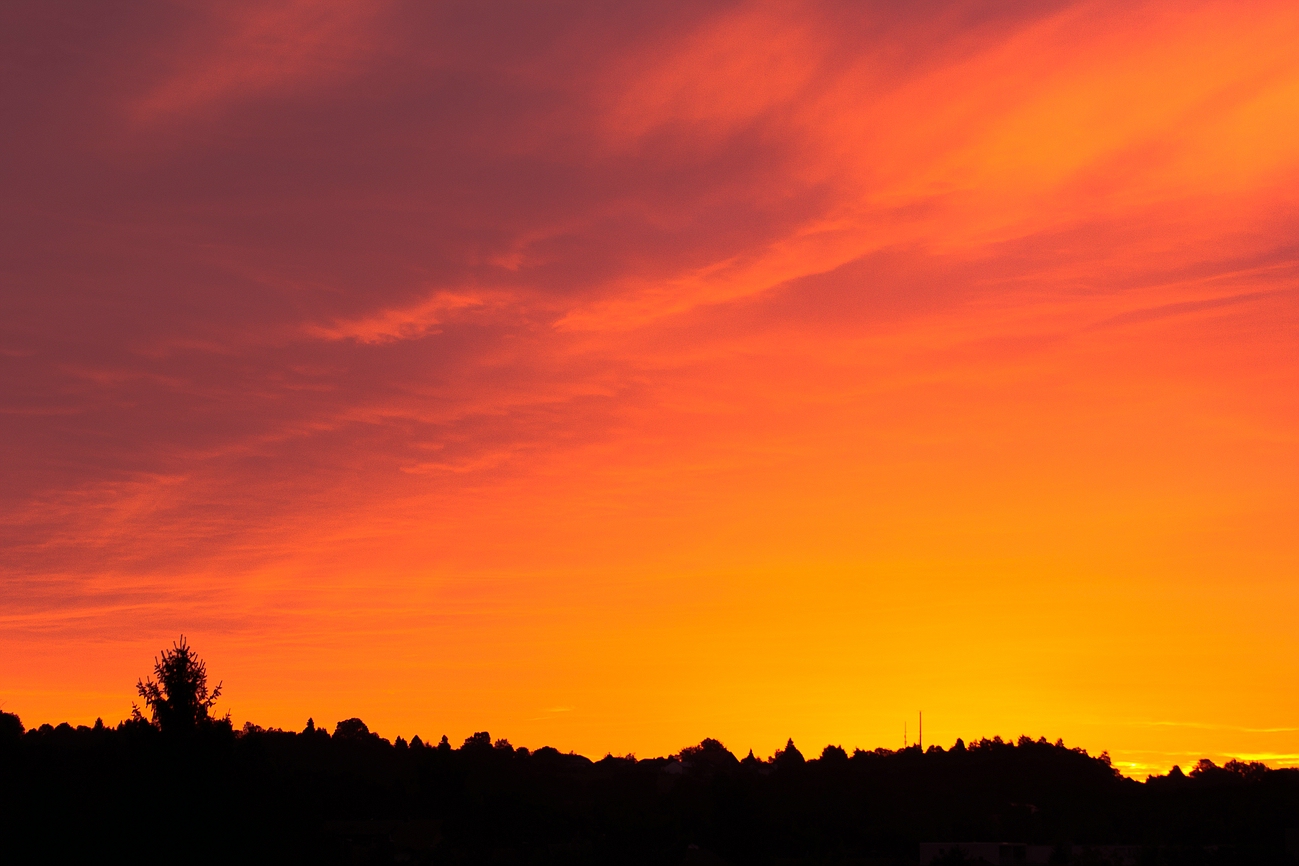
[[612, 375]]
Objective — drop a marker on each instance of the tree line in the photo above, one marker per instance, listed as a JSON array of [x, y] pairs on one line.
[[177, 783]]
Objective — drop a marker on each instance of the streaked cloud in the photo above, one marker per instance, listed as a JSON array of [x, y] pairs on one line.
[[409, 323]]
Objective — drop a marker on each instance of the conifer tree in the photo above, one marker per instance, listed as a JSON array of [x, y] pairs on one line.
[[179, 700]]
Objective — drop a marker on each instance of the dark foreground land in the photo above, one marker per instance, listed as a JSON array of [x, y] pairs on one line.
[[136, 792]]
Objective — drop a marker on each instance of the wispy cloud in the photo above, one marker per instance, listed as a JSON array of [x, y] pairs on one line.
[[405, 323], [239, 51]]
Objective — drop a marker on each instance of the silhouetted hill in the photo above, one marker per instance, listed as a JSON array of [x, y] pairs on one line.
[[214, 794]]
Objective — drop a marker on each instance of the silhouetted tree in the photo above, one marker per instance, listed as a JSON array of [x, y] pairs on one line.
[[179, 701], [709, 753], [479, 740], [788, 756], [11, 727], [834, 754], [352, 729]]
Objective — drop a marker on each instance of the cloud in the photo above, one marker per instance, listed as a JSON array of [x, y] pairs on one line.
[[240, 51], [409, 323]]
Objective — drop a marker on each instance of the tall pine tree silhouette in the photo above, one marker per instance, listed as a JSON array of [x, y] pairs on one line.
[[179, 700]]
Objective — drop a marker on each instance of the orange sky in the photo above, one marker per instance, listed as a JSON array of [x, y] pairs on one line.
[[612, 376]]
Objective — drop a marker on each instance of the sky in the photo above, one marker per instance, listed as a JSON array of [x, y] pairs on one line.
[[610, 376]]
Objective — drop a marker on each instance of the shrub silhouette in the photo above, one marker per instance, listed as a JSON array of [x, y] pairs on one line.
[[179, 700]]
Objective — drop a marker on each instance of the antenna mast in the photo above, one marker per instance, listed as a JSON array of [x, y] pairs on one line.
[[920, 737]]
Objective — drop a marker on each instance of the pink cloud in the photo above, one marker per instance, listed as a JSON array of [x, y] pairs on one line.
[[238, 51], [407, 323]]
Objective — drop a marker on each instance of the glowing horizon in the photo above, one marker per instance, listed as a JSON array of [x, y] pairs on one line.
[[614, 378]]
